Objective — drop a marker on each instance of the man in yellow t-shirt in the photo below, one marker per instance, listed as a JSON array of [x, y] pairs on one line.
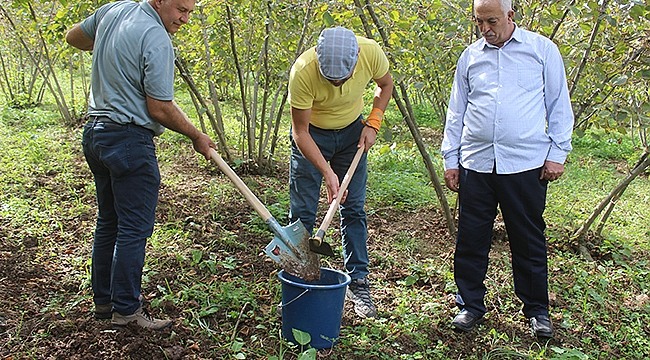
[[326, 88]]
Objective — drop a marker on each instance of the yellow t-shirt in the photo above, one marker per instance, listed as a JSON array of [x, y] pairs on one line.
[[335, 107]]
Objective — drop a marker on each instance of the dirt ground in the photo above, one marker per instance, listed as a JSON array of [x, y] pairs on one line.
[[30, 327]]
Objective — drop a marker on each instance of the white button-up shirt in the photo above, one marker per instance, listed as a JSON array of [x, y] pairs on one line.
[[508, 106]]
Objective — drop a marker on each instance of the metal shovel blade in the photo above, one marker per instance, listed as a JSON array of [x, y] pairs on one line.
[[290, 248]]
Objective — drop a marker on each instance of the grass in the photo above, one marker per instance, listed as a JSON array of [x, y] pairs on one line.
[[397, 178], [600, 308]]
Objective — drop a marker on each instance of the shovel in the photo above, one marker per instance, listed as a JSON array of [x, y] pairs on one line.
[[289, 245], [316, 243]]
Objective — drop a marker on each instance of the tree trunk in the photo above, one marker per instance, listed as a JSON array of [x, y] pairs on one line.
[[609, 201], [249, 131], [299, 49], [222, 144], [564, 15]]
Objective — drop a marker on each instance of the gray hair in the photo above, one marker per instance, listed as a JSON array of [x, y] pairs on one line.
[[506, 5]]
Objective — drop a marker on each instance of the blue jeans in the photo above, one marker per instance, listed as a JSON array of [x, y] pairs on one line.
[[123, 161], [522, 199], [338, 148]]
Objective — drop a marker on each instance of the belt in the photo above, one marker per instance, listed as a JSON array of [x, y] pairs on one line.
[[107, 122], [103, 120]]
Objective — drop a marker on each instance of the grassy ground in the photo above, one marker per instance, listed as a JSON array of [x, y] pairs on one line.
[[205, 267]]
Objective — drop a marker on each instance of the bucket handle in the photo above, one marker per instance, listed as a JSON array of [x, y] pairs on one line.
[[281, 305]]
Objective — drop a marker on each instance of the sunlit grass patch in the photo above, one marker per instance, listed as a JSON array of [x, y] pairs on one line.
[[589, 178], [397, 178]]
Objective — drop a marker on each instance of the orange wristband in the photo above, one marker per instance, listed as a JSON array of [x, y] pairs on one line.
[[374, 119]]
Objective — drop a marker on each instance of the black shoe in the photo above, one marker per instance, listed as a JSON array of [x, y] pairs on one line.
[[466, 321], [541, 326]]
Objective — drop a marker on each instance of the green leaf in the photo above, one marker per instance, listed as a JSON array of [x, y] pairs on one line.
[[328, 20], [636, 12], [303, 338], [236, 346], [309, 354], [209, 311], [411, 279], [594, 295], [196, 256]]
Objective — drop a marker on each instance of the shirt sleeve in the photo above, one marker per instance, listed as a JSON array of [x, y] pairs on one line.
[[300, 96], [455, 113], [558, 106], [381, 63], [158, 66], [89, 25]]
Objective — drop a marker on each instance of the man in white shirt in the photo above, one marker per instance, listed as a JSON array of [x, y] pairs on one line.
[[507, 133]]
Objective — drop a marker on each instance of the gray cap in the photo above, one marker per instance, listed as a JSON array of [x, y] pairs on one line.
[[337, 51]]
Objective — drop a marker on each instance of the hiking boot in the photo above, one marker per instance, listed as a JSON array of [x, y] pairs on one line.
[[142, 318], [103, 311], [359, 292]]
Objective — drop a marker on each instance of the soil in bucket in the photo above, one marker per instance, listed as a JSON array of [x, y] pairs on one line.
[[314, 307]]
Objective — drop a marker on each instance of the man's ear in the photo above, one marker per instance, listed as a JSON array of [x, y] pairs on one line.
[[155, 4], [511, 15]]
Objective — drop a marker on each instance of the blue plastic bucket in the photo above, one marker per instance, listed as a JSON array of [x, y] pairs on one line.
[[314, 307]]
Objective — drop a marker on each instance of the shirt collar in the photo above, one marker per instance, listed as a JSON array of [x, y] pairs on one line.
[[517, 35], [149, 10]]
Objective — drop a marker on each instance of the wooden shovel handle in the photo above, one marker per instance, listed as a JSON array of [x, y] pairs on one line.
[[320, 234], [241, 186]]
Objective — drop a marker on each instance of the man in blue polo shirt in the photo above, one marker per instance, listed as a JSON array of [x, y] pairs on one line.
[[131, 101]]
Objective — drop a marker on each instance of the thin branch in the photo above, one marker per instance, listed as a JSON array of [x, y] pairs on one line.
[[240, 75], [587, 52], [406, 110]]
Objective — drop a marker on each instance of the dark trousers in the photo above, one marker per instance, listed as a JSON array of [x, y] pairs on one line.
[[522, 199], [123, 161]]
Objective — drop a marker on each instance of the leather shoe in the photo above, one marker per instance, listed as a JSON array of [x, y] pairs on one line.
[[541, 326], [465, 321]]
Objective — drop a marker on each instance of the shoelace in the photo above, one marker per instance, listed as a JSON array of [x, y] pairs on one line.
[[361, 290], [146, 315]]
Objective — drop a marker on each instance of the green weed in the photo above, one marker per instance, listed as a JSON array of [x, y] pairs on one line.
[[397, 179], [195, 262]]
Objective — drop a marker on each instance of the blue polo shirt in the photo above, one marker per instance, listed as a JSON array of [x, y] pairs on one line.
[[132, 57]]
